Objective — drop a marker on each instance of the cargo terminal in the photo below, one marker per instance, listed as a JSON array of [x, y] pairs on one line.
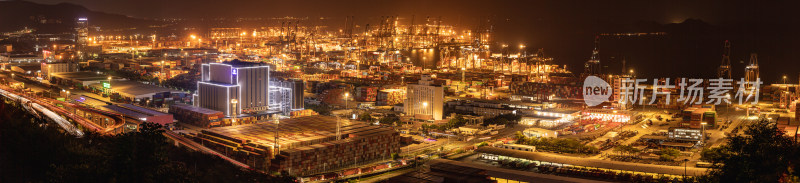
[[306, 145]]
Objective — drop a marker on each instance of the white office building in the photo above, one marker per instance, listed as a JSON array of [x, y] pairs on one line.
[[245, 83], [425, 100]]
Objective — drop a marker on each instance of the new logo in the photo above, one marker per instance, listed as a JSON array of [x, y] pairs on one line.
[[595, 91]]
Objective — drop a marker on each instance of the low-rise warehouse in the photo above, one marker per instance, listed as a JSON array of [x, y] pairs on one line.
[[132, 91], [79, 79], [306, 145], [141, 113], [197, 116]]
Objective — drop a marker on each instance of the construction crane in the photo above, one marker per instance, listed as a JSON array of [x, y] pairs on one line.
[[592, 67], [725, 68]]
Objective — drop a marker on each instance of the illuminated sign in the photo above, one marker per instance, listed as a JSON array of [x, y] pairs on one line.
[[106, 85], [685, 134], [235, 71]]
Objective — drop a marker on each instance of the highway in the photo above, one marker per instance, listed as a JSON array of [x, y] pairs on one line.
[[37, 108], [198, 147]]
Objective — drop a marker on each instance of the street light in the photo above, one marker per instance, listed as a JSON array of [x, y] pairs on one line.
[[108, 90], [161, 79], [728, 96], [233, 103], [462, 74], [784, 79], [346, 94], [704, 132], [277, 123], [684, 168], [425, 107]]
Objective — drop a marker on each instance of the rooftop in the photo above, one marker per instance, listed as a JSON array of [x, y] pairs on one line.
[[195, 108], [239, 63], [134, 111], [135, 88], [297, 132], [82, 76], [596, 163]]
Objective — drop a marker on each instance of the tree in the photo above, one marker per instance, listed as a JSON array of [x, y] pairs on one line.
[[366, 116], [390, 119], [626, 149], [322, 109], [455, 122], [762, 154], [520, 137], [556, 144], [503, 119], [669, 154], [712, 154]]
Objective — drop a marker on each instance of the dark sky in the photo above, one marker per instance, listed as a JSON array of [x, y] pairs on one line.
[[661, 11]]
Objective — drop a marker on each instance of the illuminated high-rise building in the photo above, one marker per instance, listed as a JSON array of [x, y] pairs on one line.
[[234, 87], [238, 87], [82, 32]]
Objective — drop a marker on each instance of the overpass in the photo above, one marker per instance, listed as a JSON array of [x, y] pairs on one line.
[[41, 111]]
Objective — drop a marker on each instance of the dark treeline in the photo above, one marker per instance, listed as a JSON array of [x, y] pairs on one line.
[[32, 150]]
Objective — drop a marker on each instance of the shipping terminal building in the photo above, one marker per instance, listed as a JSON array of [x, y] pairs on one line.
[[236, 87]]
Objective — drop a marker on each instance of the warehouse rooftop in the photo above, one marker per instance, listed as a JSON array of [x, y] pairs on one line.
[[297, 132]]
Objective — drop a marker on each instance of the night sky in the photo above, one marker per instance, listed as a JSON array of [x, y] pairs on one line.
[[565, 29], [622, 11]]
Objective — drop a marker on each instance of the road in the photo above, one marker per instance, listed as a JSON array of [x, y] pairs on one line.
[[37, 106], [199, 147], [388, 175]]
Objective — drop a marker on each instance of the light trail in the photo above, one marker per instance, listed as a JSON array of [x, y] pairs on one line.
[[34, 107]]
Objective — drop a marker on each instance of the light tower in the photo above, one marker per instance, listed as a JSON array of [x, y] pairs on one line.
[[233, 104], [275, 150], [724, 70], [462, 75], [338, 128], [339, 120]]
